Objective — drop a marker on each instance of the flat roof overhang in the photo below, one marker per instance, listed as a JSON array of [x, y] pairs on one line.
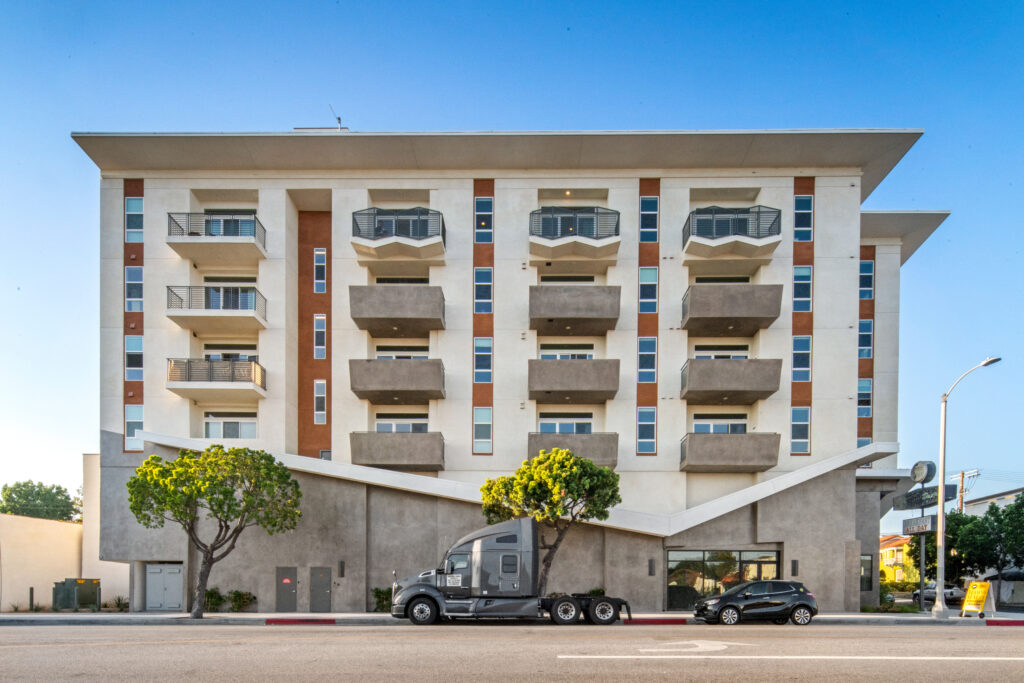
[[874, 151], [912, 228]]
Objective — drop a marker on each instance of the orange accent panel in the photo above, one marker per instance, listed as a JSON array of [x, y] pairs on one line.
[[647, 394], [867, 252], [803, 323], [133, 249], [865, 427], [650, 187], [136, 389], [483, 187], [867, 309], [133, 187], [483, 395], [483, 255], [865, 367], [803, 253], [648, 254], [130, 318], [803, 185], [801, 393], [647, 325], [314, 233], [483, 325]]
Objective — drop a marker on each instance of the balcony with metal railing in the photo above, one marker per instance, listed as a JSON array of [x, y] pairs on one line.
[[217, 309], [417, 233], [216, 381], [714, 233], [222, 239], [575, 233]]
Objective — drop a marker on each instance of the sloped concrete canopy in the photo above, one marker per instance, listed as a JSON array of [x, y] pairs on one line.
[[730, 310], [574, 310]]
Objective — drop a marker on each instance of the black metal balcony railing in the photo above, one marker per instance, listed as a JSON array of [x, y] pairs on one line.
[[216, 225], [554, 222], [203, 370], [714, 222], [217, 299], [416, 224]]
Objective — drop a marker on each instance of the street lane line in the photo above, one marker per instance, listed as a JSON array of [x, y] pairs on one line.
[[894, 658]]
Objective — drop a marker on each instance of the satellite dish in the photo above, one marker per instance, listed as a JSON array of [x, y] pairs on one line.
[[922, 472]]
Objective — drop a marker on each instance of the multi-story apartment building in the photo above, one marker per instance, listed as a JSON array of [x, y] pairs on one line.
[[399, 316]]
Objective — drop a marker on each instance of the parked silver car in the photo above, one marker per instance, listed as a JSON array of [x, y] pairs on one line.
[[953, 594]]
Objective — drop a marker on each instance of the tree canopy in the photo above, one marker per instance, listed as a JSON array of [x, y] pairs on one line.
[[957, 566], [36, 499]]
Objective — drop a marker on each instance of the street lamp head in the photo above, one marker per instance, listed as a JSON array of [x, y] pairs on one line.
[[990, 361]]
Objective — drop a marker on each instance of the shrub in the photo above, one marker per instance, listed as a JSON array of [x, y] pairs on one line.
[[214, 599], [121, 603], [15, 606], [596, 592], [381, 599], [37, 607], [240, 600]]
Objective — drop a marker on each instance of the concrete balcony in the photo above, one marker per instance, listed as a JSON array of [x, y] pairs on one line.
[[422, 452], [729, 452], [728, 241], [583, 310], [404, 234], [573, 381], [730, 310], [397, 381], [216, 381], [222, 239], [602, 448], [217, 309], [397, 310], [575, 234], [728, 381]]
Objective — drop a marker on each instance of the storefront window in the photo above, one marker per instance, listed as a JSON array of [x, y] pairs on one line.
[[693, 574]]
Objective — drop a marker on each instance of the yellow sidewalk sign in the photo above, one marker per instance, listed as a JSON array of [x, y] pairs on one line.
[[974, 601]]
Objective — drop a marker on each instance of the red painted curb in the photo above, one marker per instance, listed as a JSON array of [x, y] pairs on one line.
[[654, 622], [300, 622], [1004, 622]]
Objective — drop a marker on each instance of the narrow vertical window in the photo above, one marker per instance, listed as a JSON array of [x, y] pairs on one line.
[[867, 279], [482, 440], [649, 219], [646, 430], [802, 288], [800, 437], [319, 401], [132, 424], [803, 218], [865, 339], [483, 354], [133, 288], [133, 219], [802, 358], [648, 290], [647, 359], [483, 290], [319, 270], [133, 358], [864, 397], [483, 220], [325, 454], [319, 336]]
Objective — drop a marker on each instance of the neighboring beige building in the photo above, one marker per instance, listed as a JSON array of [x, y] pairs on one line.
[[35, 553], [398, 316]]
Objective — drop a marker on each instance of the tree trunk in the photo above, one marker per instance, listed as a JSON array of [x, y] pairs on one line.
[[545, 563], [199, 597]]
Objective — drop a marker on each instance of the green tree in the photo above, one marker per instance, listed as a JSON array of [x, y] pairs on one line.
[[234, 488], [995, 540], [956, 565], [32, 499], [557, 489]]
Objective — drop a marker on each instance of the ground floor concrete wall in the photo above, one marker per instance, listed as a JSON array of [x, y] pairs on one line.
[[35, 553]]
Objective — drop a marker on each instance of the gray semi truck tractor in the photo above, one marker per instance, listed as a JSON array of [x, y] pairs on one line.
[[492, 574]]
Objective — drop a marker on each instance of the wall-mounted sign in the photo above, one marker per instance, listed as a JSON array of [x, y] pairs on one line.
[[923, 498], [920, 525]]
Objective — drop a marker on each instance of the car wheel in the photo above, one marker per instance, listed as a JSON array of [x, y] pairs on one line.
[[801, 616], [422, 611], [602, 612], [564, 611], [729, 616], [780, 621]]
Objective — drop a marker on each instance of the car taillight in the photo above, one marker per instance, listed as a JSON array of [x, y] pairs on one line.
[[810, 594]]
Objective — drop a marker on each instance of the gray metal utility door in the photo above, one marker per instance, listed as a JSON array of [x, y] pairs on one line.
[[164, 587], [320, 589], [287, 578]]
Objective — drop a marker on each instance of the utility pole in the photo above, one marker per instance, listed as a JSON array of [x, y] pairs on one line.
[[969, 474]]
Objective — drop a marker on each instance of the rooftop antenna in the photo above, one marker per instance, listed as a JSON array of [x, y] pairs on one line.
[[336, 117]]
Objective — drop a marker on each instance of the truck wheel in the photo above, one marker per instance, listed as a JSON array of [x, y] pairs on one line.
[[422, 611], [565, 610], [602, 612]]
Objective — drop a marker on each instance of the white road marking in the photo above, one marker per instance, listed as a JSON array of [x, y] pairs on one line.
[[898, 658], [694, 646]]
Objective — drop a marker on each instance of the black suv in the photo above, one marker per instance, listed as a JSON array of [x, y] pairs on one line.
[[779, 601]]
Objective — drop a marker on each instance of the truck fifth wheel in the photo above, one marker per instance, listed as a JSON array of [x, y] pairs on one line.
[[492, 573]]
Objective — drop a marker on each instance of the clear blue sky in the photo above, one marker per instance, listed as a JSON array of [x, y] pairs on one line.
[[954, 70]]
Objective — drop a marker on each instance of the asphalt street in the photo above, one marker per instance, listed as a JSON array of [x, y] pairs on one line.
[[502, 651]]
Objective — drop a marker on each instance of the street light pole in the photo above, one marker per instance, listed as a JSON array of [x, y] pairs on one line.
[[939, 609]]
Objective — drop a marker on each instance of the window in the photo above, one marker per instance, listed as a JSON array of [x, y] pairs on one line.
[[867, 572], [800, 437], [867, 279], [483, 220], [717, 423], [229, 425], [647, 359], [133, 219], [133, 358], [866, 330], [803, 218], [319, 336], [482, 430], [646, 430], [402, 280], [401, 423], [720, 279], [565, 423], [864, 397], [509, 564], [802, 358], [225, 298], [649, 219], [230, 352], [402, 352], [482, 357], [722, 352], [319, 270], [325, 455], [802, 288], [567, 279], [133, 288], [648, 290], [132, 424], [717, 571], [567, 351], [863, 441], [319, 401], [483, 290]]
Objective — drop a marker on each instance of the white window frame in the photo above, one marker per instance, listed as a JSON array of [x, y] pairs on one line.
[[134, 414], [646, 446], [798, 271], [320, 260], [865, 398], [133, 374], [400, 423], [869, 350], [483, 347], [134, 304], [657, 219], [646, 375], [393, 352], [648, 305], [319, 325], [868, 292], [483, 304], [483, 430], [799, 231], [798, 375], [320, 396], [478, 231], [133, 235], [737, 352], [565, 423], [244, 421], [720, 424], [574, 351], [800, 446]]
